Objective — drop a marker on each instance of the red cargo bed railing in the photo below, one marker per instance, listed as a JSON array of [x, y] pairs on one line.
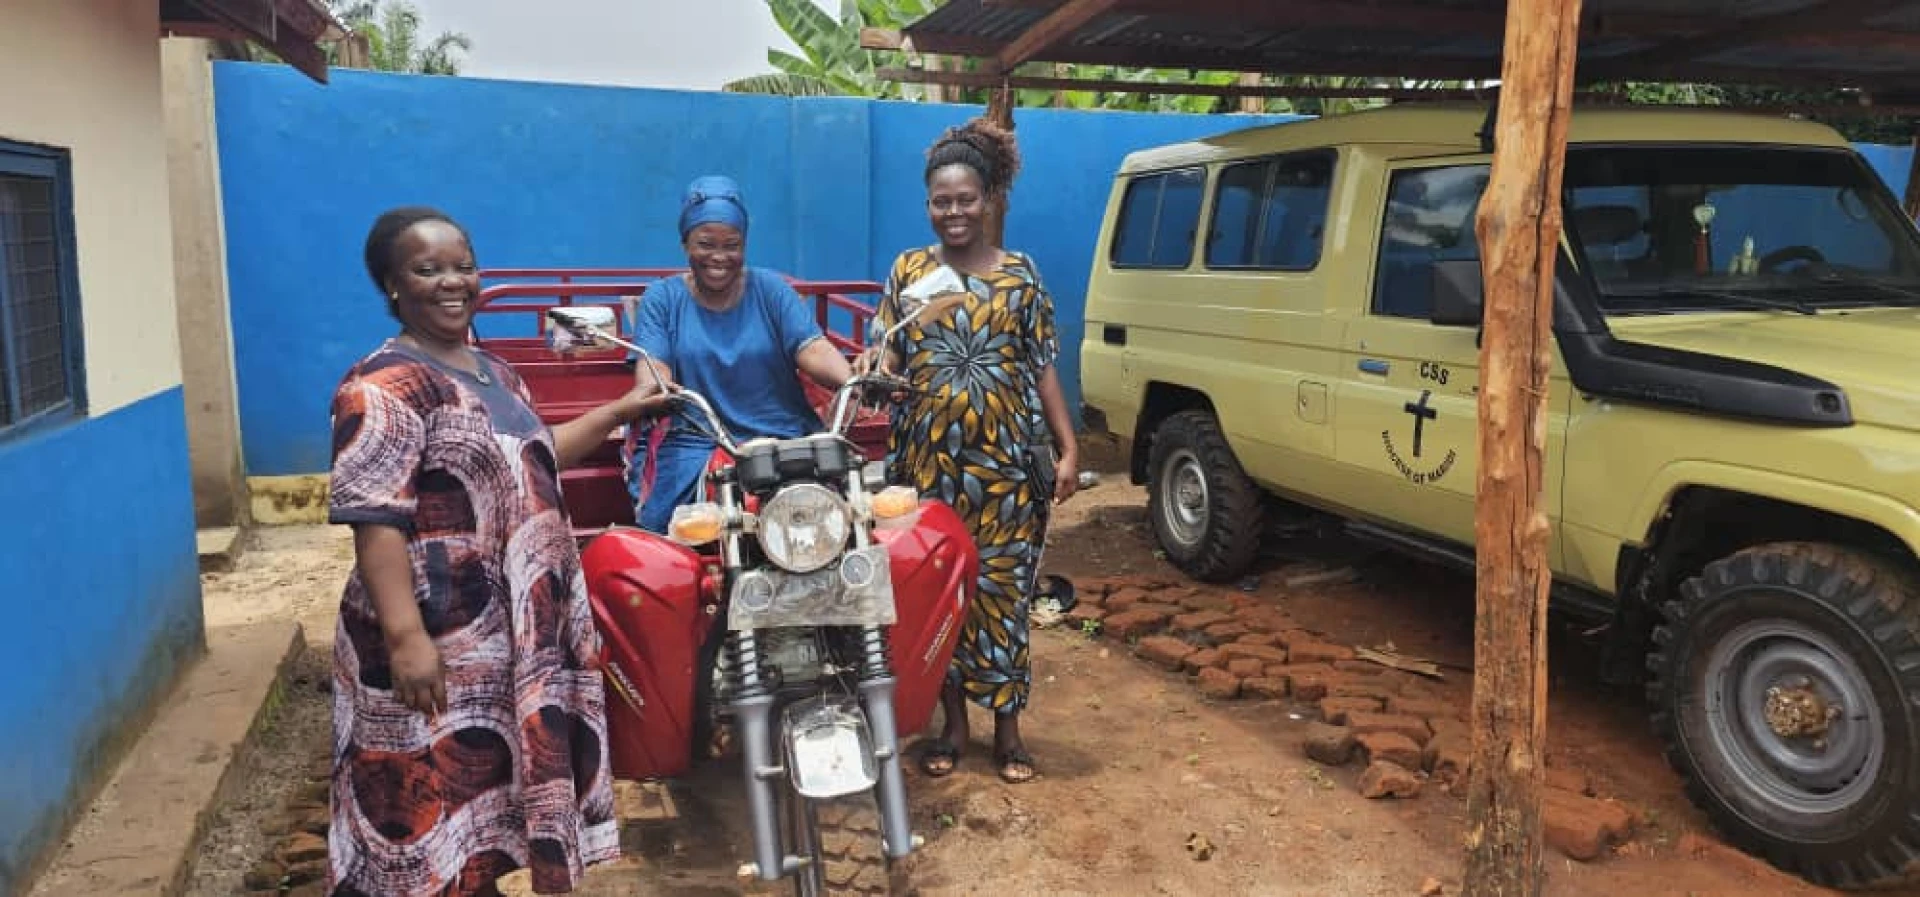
[[565, 387]]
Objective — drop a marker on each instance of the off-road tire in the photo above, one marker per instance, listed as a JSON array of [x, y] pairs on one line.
[[852, 861], [1823, 601], [1228, 540]]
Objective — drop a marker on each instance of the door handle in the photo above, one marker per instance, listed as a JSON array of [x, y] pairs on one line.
[[1375, 366]]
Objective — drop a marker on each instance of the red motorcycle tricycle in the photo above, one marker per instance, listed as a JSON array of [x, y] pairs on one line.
[[806, 605]]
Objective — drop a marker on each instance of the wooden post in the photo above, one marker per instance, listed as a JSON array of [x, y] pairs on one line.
[[1000, 112], [1519, 228], [1251, 104]]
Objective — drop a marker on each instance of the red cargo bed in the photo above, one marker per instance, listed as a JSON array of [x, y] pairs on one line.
[[512, 324]]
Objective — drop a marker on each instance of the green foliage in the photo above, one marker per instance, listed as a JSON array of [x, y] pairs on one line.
[[392, 29], [1883, 129], [831, 60]]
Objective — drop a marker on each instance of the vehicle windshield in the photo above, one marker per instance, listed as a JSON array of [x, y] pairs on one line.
[[1666, 229]]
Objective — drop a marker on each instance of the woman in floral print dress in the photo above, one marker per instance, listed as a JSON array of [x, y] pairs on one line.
[[981, 428], [469, 725]]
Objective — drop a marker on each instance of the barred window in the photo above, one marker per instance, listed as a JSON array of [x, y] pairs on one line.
[[41, 375]]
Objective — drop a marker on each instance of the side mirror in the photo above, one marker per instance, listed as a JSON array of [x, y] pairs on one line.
[[1458, 295]]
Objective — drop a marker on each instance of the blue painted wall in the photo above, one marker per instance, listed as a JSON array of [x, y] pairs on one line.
[[102, 604], [549, 175]]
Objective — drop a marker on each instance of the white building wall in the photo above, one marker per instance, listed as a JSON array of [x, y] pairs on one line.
[[85, 75]]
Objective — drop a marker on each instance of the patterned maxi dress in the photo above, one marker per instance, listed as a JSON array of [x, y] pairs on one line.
[[514, 773], [966, 437]]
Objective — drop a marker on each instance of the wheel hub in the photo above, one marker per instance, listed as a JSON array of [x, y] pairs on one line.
[[1186, 498], [1798, 712], [1792, 717]]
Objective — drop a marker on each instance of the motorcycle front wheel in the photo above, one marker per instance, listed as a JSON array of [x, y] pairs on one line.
[[843, 838]]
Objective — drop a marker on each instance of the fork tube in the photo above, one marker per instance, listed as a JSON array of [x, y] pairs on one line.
[[876, 690], [753, 711]]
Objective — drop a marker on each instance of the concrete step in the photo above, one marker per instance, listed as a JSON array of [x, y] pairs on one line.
[[140, 834]]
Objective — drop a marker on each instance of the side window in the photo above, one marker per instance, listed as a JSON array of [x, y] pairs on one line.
[[1271, 215], [40, 368], [1429, 218], [1159, 215]]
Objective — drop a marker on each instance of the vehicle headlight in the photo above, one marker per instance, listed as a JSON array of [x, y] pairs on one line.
[[804, 528]]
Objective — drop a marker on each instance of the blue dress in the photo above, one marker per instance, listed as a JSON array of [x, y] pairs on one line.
[[744, 360]]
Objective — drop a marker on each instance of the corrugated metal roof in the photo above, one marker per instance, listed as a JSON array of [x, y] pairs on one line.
[[1858, 43]]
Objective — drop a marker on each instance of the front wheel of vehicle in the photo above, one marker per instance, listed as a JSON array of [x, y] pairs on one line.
[[1783, 684], [852, 860], [1207, 514]]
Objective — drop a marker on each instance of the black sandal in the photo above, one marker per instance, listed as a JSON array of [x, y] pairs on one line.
[[1010, 758], [936, 750]]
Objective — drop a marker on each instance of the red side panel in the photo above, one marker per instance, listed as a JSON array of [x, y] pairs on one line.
[[648, 597], [935, 569]]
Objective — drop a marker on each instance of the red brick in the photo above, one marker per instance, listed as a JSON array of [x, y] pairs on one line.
[[1205, 657], [1317, 652], [1360, 667], [1262, 653], [302, 848], [1164, 651], [1134, 623], [1413, 727], [1263, 639], [1246, 667], [1293, 635], [1389, 746], [1344, 685], [1124, 599], [1199, 620], [1421, 707], [1225, 632], [1328, 744], [1335, 710], [1387, 779], [1576, 826], [1308, 683], [1264, 618], [1446, 757], [1263, 687], [1219, 684], [1211, 601]]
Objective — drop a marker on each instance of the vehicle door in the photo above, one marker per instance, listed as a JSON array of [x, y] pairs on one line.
[[1409, 389]]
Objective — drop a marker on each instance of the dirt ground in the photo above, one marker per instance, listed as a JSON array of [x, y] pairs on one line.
[[1135, 765]]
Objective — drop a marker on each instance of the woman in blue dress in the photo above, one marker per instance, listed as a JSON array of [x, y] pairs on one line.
[[738, 335]]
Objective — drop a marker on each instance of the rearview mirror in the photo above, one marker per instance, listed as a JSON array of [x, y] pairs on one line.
[[1458, 295]]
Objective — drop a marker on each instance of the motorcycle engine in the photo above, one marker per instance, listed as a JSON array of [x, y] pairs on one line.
[[794, 653]]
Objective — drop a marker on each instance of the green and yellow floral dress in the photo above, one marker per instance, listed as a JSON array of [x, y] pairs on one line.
[[969, 436]]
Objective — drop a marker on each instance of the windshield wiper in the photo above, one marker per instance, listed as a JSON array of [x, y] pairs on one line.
[[1842, 278], [1746, 299]]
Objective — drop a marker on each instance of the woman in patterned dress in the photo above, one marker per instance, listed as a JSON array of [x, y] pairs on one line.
[[982, 427], [469, 723]]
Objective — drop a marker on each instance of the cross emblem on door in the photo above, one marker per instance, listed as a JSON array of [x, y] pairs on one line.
[[1421, 414]]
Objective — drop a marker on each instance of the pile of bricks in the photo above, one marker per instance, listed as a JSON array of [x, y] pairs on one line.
[[1235, 646], [298, 865]]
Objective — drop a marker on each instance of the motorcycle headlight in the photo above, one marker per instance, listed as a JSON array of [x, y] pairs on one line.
[[804, 528]]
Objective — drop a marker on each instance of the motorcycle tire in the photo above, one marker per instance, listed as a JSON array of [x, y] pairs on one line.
[[852, 862]]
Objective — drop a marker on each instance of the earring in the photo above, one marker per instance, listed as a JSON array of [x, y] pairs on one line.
[[394, 296]]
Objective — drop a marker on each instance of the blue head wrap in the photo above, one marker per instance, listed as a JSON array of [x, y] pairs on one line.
[[714, 199]]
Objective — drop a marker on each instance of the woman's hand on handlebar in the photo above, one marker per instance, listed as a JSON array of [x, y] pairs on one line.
[[643, 401]]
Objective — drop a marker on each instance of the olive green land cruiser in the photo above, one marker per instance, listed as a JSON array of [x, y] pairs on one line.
[[1283, 321]]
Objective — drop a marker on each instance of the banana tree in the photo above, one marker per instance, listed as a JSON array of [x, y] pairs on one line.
[[831, 61]]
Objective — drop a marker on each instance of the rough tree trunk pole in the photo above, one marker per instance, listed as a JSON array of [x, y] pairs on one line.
[[1519, 228], [1000, 112]]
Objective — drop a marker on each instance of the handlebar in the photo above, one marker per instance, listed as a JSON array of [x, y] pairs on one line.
[[718, 430], [842, 401]]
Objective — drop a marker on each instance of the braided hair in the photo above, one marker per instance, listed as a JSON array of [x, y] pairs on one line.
[[384, 237], [983, 146]]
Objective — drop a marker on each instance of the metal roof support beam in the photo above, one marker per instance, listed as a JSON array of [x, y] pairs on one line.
[[1816, 18], [1056, 27]]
